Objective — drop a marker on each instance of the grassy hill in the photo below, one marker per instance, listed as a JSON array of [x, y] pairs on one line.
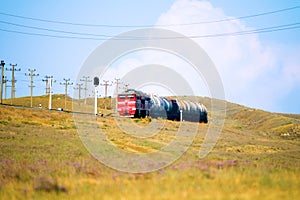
[[42, 157], [58, 101]]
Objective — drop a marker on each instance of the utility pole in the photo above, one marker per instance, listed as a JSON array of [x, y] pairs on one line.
[[106, 84], [96, 83], [47, 84], [117, 91], [86, 80], [2, 80], [50, 83], [126, 86], [13, 81], [79, 88], [66, 84], [5, 87], [117, 86], [31, 74]]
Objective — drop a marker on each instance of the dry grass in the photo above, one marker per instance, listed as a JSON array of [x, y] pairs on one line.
[[42, 157]]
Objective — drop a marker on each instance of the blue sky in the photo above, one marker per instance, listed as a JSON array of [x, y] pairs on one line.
[[272, 84]]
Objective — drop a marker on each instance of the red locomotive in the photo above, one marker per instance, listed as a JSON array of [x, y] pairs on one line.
[[134, 103]]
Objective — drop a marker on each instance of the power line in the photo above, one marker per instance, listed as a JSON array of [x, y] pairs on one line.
[[54, 30], [51, 36], [247, 32], [237, 18], [145, 26], [253, 31]]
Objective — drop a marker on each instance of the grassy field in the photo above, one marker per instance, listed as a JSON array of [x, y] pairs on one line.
[[42, 157]]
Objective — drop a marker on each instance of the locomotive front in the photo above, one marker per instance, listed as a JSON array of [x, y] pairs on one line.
[[133, 103]]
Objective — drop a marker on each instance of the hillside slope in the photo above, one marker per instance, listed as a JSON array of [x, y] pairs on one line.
[[285, 125], [42, 157]]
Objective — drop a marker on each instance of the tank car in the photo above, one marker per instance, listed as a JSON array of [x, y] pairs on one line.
[[174, 109]]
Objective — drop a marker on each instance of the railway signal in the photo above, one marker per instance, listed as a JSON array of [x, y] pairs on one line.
[[96, 84], [96, 81], [2, 80]]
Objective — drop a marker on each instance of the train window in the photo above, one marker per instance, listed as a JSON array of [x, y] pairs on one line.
[[122, 96], [130, 96]]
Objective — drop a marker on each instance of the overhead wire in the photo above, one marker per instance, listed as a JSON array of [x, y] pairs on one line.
[[144, 26], [53, 30], [246, 32], [79, 35], [261, 30]]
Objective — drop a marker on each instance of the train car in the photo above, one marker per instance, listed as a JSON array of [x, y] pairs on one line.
[[174, 109], [134, 103], [159, 107]]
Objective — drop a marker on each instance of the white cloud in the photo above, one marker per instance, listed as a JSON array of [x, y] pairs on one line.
[[253, 74]]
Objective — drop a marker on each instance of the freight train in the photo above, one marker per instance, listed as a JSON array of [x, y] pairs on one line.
[[134, 103]]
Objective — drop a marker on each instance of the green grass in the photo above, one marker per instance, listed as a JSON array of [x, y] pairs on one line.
[[42, 157]]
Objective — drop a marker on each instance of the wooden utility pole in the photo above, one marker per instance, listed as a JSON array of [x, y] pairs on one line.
[[117, 81], [66, 84], [86, 80], [31, 74], [126, 86], [117, 86], [79, 88], [50, 84], [13, 80], [5, 87], [105, 84], [47, 84]]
